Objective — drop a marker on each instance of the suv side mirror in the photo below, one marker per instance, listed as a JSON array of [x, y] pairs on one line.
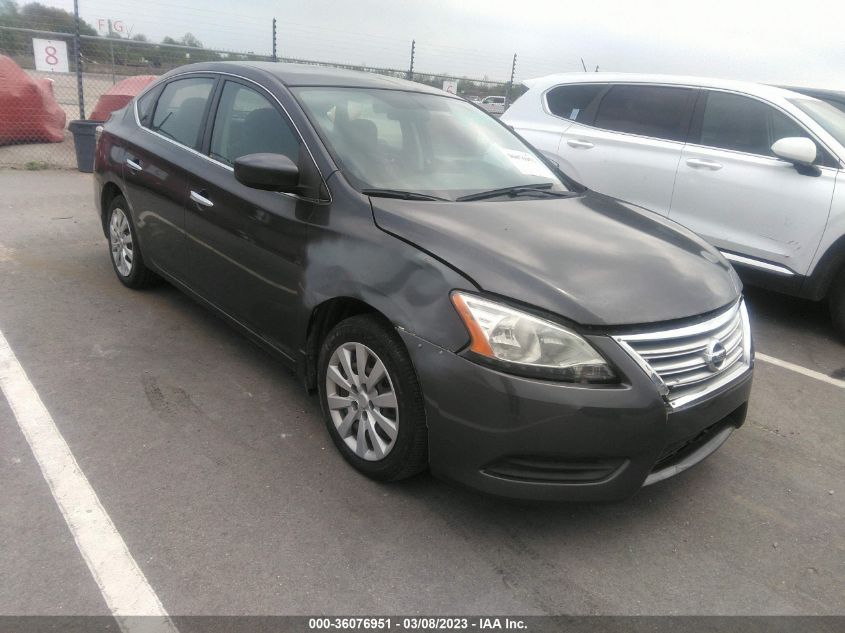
[[270, 172], [796, 149]]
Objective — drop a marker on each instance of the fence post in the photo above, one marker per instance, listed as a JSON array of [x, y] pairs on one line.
[[510, 83], [275, 58], [111, 48], [78, 51], [411, 67]]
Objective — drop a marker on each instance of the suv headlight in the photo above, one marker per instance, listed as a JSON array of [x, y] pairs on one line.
[[521, 343]]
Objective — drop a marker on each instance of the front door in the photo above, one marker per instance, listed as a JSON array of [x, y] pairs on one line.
[[246, 246], [733, 191]]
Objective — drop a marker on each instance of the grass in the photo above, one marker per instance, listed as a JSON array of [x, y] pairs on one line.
[[36, 165]]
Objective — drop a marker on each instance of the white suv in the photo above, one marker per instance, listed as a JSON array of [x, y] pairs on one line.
[[756, 170]]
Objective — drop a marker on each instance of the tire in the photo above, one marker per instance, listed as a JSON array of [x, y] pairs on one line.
[[124, 249], [361, 430], [836, 300]]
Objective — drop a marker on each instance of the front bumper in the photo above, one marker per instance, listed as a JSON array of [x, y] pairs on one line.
[[531, 439]]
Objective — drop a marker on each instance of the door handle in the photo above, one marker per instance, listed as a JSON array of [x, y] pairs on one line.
[[201, 199], [133, 164], [703, 163], [579, 144]]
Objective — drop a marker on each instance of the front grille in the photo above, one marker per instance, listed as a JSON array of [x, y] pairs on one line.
[[689, 362]]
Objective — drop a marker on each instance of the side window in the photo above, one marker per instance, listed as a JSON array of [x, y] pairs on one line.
[[178, 113], [571, 101], [743, 124], [145, 107], [247, 123], [657, 111]]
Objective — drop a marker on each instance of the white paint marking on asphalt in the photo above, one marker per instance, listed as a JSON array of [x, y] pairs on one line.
[[800, 370], [123, 585]]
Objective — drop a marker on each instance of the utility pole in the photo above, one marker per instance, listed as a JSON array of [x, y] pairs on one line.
[[275, 57], [78, 53], [510, 83], [411, 67]]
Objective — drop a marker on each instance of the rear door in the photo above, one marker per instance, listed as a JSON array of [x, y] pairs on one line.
[[629, 142], [161, 154], [560, 107], [732, 190], [246, 246]]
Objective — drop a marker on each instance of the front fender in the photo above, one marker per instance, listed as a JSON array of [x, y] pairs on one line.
[[350, 257]]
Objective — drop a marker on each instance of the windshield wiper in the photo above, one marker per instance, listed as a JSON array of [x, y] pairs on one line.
[[543, 188], [398, 193]]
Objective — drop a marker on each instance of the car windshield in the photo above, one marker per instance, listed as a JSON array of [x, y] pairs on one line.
[[422, 143], [830, 118]]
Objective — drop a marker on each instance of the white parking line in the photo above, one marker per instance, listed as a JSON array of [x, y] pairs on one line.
[[123, 585], [800, 370]]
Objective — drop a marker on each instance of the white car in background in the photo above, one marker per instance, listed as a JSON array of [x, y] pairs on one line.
[[494, 105], [756, 170]]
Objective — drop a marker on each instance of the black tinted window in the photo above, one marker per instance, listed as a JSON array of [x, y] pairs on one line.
[[570, 101], [179, 111], [145, 107], [745, 125], [656, 111], [247, 123]]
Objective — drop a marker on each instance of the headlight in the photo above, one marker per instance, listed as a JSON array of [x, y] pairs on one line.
[[521, 343]]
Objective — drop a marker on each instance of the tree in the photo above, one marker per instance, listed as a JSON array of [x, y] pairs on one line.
[[10, 42], [36, 16], [189, 39]]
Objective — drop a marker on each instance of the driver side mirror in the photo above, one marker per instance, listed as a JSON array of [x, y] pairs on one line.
[[270, 172], [795, 149]]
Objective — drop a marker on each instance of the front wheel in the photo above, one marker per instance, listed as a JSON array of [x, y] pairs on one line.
[[371, 399]]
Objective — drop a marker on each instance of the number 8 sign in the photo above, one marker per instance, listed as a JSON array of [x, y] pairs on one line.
[[50, 55]]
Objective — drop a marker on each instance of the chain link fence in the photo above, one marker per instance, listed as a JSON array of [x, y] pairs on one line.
[[36, 105]]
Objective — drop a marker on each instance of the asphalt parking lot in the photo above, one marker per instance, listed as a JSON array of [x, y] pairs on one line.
[[217, 472]]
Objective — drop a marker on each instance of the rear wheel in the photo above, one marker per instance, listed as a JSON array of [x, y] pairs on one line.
[[371, 399], [836, 299], [126, 258]]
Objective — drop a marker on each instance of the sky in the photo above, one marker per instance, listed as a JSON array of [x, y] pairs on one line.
[[798, 43]]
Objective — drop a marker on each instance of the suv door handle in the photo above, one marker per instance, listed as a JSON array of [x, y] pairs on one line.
[[579, 144], [133, 164], [201, 199], [703, 163]]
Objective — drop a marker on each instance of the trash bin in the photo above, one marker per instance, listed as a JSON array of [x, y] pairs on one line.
[[85, 143]]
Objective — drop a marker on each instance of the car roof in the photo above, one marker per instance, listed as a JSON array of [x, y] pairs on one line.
[[291, 74], [837, 95], [748, 87]]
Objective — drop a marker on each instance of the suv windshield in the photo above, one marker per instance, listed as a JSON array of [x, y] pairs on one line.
[[830, 118], [421, 143]]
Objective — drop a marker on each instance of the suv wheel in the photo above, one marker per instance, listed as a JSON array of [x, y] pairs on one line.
[[371, 399], [836, 299]]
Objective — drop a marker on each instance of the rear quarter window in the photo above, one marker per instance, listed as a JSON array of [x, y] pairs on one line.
[[571, 101], [145, 105]]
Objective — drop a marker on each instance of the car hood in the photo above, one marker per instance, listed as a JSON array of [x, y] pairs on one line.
[[589, 258]]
